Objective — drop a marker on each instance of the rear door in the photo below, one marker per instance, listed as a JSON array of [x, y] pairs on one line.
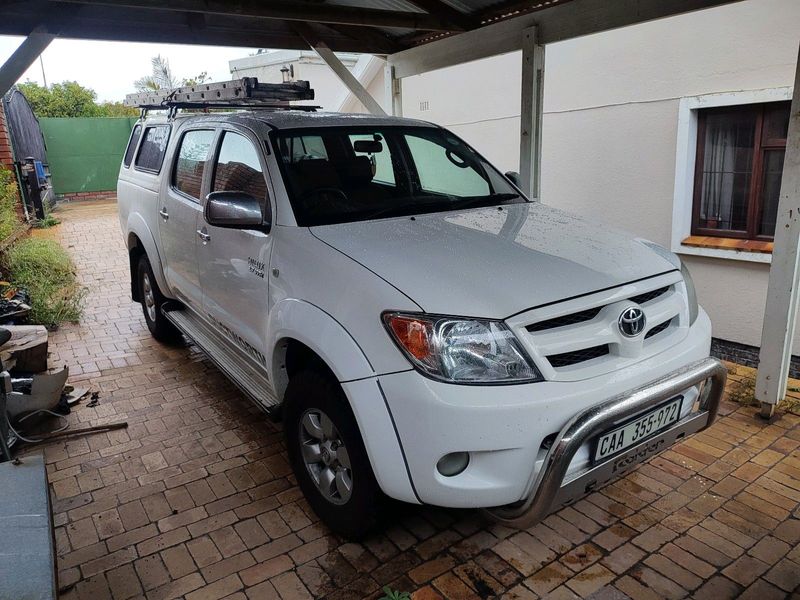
[[233, 262], [180, 214]]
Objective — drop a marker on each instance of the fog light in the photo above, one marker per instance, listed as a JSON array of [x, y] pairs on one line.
[[453, 463]]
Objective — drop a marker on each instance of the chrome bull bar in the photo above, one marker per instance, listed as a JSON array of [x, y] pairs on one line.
[[551, 491]]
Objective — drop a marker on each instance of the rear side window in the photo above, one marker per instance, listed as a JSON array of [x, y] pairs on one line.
[[192, 157], [238, 168], [135, 135], [151, 152]]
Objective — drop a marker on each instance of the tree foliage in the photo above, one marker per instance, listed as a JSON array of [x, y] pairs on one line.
[[70, 99], [161, 76], [67, 99]]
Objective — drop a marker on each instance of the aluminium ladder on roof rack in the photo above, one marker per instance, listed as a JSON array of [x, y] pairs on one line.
[[246, 92]]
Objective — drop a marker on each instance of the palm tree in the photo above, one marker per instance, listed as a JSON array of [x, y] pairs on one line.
[[160, 77]]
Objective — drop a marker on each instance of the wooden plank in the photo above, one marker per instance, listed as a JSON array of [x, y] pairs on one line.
[[288, 11], [393, 92], [23, 57], [557, 23], [342, 72], [27, 348], [530, 135], [780, 315], [447, 13]]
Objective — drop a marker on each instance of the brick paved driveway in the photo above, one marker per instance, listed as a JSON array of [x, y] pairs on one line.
[[196, 498]]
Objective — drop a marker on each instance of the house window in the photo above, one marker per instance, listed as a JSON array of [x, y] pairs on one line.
[[740, 153]]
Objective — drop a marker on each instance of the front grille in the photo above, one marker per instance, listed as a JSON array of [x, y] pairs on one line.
[[577, 356], [648, 296], [585, 342], [573, 319], [657, 329]]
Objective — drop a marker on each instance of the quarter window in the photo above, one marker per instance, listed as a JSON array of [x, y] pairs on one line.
[[238, 167], [135, 135], [192, 157], [740, 153], [151, 151]]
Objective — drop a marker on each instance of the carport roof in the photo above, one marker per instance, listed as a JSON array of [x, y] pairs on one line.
[[373, 26]]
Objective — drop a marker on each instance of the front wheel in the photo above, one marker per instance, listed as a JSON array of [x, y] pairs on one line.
[[328, 456]]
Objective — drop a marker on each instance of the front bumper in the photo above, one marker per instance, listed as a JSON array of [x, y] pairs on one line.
[[506, 429], [554, 488]]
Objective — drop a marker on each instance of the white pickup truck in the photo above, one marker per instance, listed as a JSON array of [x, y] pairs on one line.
[[423, 330]]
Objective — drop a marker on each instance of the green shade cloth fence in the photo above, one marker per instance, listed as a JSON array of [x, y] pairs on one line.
[[84, 153]]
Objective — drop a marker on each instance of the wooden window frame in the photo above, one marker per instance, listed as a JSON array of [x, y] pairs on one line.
[[754, 199]]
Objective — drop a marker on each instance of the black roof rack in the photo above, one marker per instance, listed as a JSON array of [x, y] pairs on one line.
[[246, 92]]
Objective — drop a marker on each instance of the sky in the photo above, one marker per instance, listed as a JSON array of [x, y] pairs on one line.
[[110, 68]]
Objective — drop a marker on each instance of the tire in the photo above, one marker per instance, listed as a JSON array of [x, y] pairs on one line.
[[152, 299], [309, 395]]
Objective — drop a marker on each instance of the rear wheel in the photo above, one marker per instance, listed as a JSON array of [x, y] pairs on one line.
[[152, 299], [328, 455]]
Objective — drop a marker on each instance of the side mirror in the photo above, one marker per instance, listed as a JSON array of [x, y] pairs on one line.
[[234, 210], [513, 176]]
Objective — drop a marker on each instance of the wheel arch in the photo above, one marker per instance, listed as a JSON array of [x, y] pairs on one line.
[[301, 334], [140, 241], [304, 335]]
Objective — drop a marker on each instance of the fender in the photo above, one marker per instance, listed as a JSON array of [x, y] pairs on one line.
[[319, 331], [138, 226]]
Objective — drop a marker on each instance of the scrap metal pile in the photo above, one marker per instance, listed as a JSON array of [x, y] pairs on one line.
[[33, 396]]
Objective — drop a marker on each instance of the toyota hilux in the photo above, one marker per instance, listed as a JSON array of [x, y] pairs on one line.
[[422, 329]]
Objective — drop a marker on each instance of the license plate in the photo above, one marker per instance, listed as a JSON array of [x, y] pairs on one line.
[[638, 429]]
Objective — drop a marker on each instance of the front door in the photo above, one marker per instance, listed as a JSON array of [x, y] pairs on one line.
[[234, 262], [181, 213]]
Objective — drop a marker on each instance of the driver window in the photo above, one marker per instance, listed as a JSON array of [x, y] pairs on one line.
[[238, 168], [441, 169]]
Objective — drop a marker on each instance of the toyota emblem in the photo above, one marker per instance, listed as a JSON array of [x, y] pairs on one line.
[[632, 321]]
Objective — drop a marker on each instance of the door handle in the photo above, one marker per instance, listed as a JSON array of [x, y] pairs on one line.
[[204, 236], [163, 212]]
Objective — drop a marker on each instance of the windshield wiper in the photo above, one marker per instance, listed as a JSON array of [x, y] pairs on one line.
[[489, 200]]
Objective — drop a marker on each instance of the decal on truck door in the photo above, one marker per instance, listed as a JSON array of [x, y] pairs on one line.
[[242, 343], [256, 266]]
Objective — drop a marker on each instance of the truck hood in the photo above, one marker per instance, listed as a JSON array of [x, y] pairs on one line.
[[494, 263]]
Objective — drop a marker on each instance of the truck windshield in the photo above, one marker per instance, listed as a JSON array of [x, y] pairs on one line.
[[345, 174]]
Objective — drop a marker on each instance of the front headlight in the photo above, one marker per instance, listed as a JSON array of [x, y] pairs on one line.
[[461, 350], [691, 294]]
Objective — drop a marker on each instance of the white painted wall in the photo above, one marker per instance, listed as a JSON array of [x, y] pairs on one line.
[[610, 124]]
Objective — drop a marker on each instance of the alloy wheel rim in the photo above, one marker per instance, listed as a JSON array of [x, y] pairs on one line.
[[149, 298], [325, 456]]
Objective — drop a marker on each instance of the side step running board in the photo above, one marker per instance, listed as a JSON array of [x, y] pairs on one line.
[[238, 369]]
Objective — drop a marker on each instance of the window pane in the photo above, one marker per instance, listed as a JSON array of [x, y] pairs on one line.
[[727, 166], [381, 162], [770, 190], [443, 170], [238, 168], [151, 153], [192, 158], [137, 131], [776, 122], [303, 147]]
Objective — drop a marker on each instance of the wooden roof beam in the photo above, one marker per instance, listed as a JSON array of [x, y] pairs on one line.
[[447, 13], [286, 10]]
